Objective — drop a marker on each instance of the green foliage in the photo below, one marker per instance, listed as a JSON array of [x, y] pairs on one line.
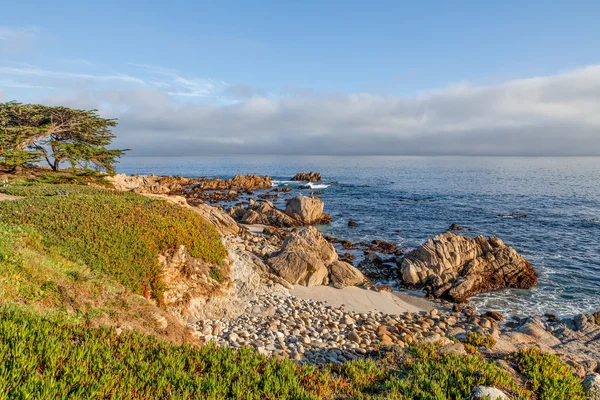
[[56, 357], [477, 340], [51, 358], [14, 159], [57, 134], [425, 374], [120, 234], [549, 375], [63, 177]]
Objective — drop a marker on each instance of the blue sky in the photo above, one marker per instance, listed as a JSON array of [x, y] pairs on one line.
[[271, 58]]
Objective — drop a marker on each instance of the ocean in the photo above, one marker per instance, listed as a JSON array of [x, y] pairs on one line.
[[407, 200]]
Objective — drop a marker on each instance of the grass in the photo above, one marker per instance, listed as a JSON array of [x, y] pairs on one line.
[[119, 234], [51, 358]]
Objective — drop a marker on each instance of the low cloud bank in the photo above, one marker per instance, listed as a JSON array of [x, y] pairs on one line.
[[553, 115]]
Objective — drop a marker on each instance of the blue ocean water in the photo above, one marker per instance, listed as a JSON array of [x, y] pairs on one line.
[[409, 199]]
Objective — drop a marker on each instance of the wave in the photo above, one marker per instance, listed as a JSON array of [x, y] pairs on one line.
[[317, 186], [275, 183]]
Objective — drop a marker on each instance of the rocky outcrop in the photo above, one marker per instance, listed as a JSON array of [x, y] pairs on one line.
[[190, 282], [307, 210], [307, 259], [238, 182], [457, 267], [222, 221], [150, 183], [307, 177]]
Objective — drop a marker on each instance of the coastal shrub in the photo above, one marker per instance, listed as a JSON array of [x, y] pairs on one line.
[[120, 234], [549, 376], [48, 357], [426, 374], [477, 340]]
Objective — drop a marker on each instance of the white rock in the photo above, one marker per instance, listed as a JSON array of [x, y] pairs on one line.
[[488, 393]]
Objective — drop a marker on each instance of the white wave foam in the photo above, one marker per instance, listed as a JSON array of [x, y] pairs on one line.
[[319, 186]]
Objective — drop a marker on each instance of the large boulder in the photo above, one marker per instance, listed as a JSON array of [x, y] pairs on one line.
[[307, 259], [457, 267], [307, 210], [343, 274]]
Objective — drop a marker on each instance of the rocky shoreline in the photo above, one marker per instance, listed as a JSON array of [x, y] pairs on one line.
[[259, 311]]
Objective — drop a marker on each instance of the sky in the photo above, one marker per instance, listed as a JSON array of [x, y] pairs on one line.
[[308, 77]]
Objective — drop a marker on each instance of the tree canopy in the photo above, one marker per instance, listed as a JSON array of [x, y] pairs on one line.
[[34, 132]]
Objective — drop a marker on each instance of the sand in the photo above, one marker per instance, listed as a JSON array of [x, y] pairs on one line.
[[9, 197], [361, 300]]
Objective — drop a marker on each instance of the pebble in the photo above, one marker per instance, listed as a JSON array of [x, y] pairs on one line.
[[313, 332]]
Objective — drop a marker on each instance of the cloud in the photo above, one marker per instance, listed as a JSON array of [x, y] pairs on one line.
[[551, 115], [44, 73], [15, 39]]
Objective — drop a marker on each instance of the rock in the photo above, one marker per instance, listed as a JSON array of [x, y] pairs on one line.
[[457, 267], [352, 224], [307, 210], [307, 177], [455, 227], [375, 269], [343, 274], [263, 213], [303, 258], [596, 317], [239, 182], [591, 385], [581, 322], [224, 224], [494, 315], [488, 393], [353, 336], [150, 184]]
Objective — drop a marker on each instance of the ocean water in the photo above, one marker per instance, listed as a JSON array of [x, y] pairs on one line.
[[407, 200]]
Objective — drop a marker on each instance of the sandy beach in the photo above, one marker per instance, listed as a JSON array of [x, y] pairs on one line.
[[360, 300]]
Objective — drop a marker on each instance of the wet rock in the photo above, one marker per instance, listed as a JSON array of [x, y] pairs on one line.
[[307, 177], [352, 224], [494, 315], [455, 227]]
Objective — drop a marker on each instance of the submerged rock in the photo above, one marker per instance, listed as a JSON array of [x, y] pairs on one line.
[[457, 267], [455, 227]]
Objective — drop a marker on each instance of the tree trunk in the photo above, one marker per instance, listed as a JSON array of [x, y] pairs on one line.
[[56, 164]]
